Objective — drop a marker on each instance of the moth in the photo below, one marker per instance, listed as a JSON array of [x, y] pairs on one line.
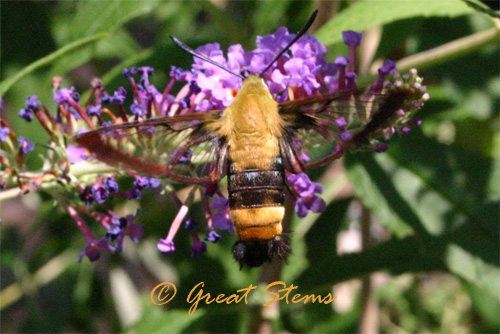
[[254, 142]]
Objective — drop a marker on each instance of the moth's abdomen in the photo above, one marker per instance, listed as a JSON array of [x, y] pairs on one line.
[[256, 199]]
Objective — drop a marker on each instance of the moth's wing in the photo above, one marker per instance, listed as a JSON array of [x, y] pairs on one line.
[[181, 148], [312, 137], [316, 135]]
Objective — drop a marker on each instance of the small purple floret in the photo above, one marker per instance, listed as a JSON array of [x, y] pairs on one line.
[[307, 190], [4, 132], [341, 61], [25, 145], [212, 237], [166, 247], [32, 102], [341, 122], [198, 248], [26, 114], [137, 110], [352, 38], [111, 184], [101, 193], [94, 110], [141, 183], [87, 195]]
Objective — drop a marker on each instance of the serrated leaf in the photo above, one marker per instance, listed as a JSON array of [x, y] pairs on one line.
[[366, 14]]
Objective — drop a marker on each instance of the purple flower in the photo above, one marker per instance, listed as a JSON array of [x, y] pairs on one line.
[[352, 38], [405, 129], [25, 145], [94, 110], [341, 122], [141, 183], [65, 94], [101, 193], [341, 61], [304, 157], [146, 72], [302, 184], [381, 147], [4, 132], [179, 74], [32, 102], [111, 184], [389, 66], [198, 248], [154, 182], [27, 114], [166, 247], [137, 110], [306, 190], [92, 250], [118, 97], [129, 72], [77, 154], [134, 193], [314, 204], [87, 195], [125, 226], [107, 123], [212, 237], [221, 219], [345, 135], [115, 228], [274, 42]]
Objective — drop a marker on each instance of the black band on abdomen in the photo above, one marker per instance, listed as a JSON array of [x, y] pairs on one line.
[[255, 188]]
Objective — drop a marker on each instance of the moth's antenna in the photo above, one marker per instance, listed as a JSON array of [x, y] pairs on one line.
[[299, 35], [196, 54]]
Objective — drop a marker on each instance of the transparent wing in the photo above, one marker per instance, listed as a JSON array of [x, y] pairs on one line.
[[180, 148], [320, 128]]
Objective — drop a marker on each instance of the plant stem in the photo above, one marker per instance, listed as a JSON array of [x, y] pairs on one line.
[[77, 171]]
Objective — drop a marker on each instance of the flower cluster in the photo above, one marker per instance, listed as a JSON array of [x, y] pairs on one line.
[[301, 72], [306, 191]]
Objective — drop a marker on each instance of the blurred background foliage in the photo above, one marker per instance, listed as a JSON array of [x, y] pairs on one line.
[[409, 241]]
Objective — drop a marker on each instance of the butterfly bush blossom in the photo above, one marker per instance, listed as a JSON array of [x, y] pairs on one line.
[[301, 72]]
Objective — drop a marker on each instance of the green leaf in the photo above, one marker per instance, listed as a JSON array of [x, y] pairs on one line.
[[158, 320], [366, 14], [98, 16], [374, 187], [7, 83], [473, 251], [438, 190]]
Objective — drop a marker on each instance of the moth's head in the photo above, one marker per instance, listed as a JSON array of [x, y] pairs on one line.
[[254, 85], [256, 252]]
